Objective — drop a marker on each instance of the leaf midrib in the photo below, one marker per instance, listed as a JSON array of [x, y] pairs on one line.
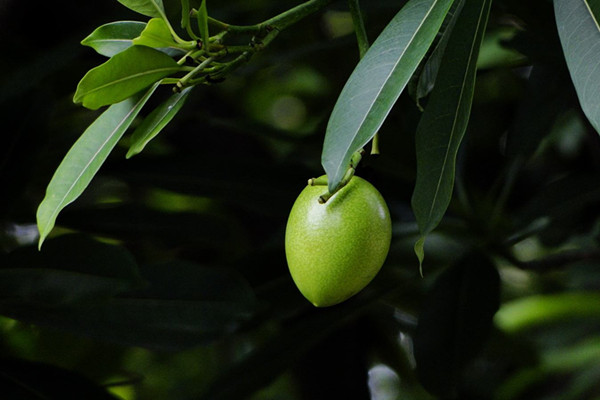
[[387, 79], [126, 78], [62, 202], [462, 91]]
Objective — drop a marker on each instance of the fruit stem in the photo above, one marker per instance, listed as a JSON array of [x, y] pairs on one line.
[[320, 181], [354, 160]]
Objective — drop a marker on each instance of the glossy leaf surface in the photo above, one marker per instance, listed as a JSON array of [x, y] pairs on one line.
[[445, 119], [156, 34], [579, 29], [123, 75], [84, 159], [156, 121], [150, 8], [377, 82], [112, 38]]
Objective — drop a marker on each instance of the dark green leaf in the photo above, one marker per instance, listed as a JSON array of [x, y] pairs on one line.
[[123, 75], [377, 82], [85, 158], [156, 121], [69, 269], [455, 321], [150, 8], [544, 99], [445, 119], [430, 70], [113, 38], [183, 305], [26, 380], [579, 31]]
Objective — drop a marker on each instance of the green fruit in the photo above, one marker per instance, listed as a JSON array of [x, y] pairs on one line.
[[335, 249]]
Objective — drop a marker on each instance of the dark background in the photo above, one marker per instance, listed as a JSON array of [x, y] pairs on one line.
[[167, 278]]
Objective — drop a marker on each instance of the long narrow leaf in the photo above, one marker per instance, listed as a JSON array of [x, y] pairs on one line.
[[156, 121], [430, 70], [123, 75], [377, 82], [445, 119], [84, 159], [579, 30], [203, 23]]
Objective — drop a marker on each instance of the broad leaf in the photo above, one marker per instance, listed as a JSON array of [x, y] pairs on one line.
[[445, 119], [182, 305], [377, 82], [455, 321], [84, 159], [543, 101], [579, 30], [69, 270], [123, 75], [156, 121], [113, 38], [150, 8], [156, 34]]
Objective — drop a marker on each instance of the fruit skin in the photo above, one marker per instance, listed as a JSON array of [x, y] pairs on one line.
[[335, 249]]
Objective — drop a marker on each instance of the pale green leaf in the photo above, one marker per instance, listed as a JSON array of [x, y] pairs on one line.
[[123, 75], [579, 31], [156, 34], [156, 121], [112, 38], [85, 158], [377, 82], [150, 8], [444, 122]]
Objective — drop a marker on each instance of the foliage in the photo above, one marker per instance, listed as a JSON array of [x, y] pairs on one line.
[[163, 276]]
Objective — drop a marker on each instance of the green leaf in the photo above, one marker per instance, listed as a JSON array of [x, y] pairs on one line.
[[543, 102], [430, 70], [69, 270], [377, 82], [455, 321], [579, 31], [445, 119], [202, 18], [156, 34], [185, 14], [150, 8], [84, 159], [533, 311], [123, 75], [156, 121], [113, 38], [182, 305]]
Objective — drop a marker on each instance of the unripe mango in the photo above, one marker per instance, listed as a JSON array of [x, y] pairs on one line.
[[335, 249]]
